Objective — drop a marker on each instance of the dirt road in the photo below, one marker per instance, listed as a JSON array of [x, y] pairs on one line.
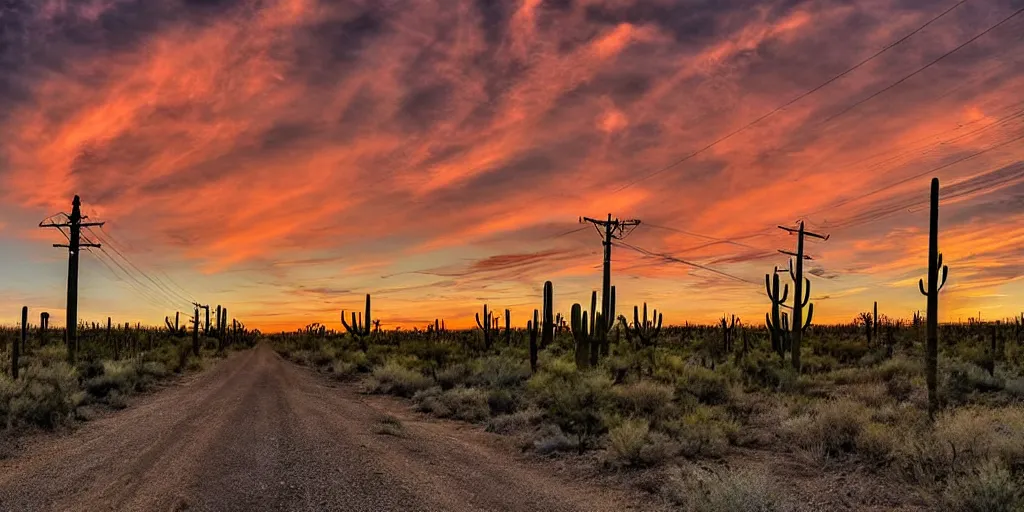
[[259, 433]]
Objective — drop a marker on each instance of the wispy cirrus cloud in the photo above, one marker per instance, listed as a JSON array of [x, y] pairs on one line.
[[298, 150]]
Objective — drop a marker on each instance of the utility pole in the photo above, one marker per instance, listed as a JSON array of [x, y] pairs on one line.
[[610, 229], [74, 245], [799, 299]]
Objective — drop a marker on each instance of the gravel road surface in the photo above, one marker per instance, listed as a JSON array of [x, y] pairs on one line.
[[259, 433]]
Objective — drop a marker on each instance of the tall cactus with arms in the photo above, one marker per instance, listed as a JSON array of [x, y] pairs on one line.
[[774, 319], [486, 324], [932, 293], [360, 326]]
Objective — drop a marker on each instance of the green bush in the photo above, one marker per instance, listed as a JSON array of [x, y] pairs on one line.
[[991, 488], [575, 402], [515, 422], [632, 444], [42, 396], [466, 404], [700, 490], [453, 376], [706, 385], [499, 371], [645, 399], [394, 379]]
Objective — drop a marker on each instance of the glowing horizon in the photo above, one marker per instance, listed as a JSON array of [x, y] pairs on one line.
[[285, 158]]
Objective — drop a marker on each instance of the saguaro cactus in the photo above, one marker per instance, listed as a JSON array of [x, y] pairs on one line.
[[486, 323], [797, 331], [195, 333], [15, 351], [581, 334], [548, 331], [774, 320], [360, 326], [607, 323], [727, 333], [645, 330], [532, 328], [875, 318], [931, 291], [508, 328], [44, 327]]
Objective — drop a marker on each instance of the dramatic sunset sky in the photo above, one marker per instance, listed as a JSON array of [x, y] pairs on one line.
[[285, 157]]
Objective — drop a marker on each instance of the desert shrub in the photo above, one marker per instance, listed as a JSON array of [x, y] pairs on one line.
[[702, 433], [467, 404], [389, 425], [394, 379], [115, 376], [990, 488], [341, 370], [323, 355], [876, 442], [961, 441], [818, 363], [154, 369], [899, 366], [514, 422], [575, 402], [700, 490], [453, 376], [830, 429], [899, 387], [500, 372], [550, 439], [964, 379], [645, 399], [117, 400], [503, 401], [706, 385], [42, 396], [632, 444]]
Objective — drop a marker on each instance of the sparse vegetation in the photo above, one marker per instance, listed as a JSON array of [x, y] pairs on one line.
[[112, 364], [676, 395]]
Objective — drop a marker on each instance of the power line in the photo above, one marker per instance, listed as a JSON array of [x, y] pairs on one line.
[[922, 68], [715, 240], [917, 175], [674, 259], [790, 102], [160, 286]]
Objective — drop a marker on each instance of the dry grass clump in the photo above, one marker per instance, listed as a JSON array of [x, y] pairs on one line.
[[694, 489], [633, 444], [395, 379], [389, 425]]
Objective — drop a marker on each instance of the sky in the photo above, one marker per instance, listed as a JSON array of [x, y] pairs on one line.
[[284, 158]]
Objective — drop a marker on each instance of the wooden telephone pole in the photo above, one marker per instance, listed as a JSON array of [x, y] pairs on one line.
[[610, 229], [75, 225], [800, 296]]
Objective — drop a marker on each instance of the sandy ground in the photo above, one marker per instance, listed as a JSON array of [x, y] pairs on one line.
[[259, 433]]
